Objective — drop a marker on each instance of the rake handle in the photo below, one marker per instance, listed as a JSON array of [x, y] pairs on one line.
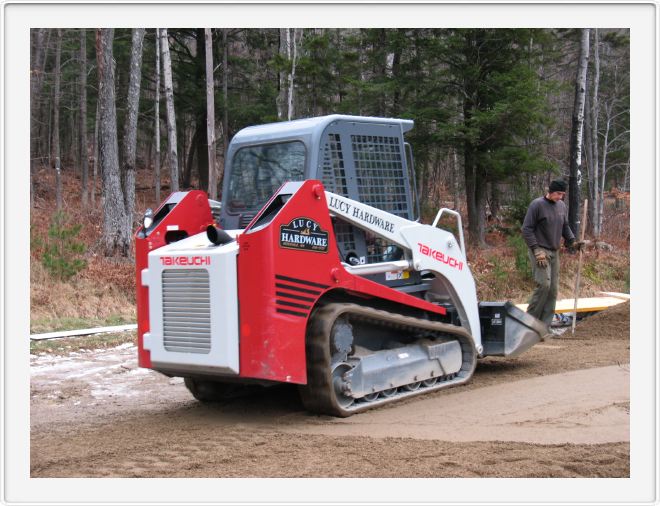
[[583, 226]]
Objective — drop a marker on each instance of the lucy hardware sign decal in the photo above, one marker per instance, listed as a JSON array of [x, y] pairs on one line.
[[305, 234]]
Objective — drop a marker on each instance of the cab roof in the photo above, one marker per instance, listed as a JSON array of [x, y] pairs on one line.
[[313, 127]]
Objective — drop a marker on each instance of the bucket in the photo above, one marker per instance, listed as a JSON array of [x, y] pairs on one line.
[[507, 331]]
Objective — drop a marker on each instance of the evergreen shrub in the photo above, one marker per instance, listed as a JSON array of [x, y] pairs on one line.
[[61, 251], [517, 209], [519, 246]]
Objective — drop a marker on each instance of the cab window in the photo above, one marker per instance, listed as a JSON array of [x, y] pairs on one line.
[[257, 171]]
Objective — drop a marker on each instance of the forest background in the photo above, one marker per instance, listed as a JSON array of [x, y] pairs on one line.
[[119, 118]]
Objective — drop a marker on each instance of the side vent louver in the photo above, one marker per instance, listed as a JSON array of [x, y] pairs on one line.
[[245, 219], [186, 311], [296, 297]]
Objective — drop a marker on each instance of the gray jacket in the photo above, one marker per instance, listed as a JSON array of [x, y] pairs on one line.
[[545, 224]]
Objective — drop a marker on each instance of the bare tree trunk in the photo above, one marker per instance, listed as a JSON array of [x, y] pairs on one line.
[[130, 128], [576, 132], [56, 120], [588, 150], [210, 114], [200, 145], [292, 75], [455, 178], [187, 162], [171, 118], [494, 204], [83, 116], [285, 51], [470, 197], [475, 195], [157, 122], [603, 172], [45, 116], [72, 137], [150, 145], [396, 72], [225, 96], [96, 153], [36, 71], [480, 200], [594, 139], [116, 235]]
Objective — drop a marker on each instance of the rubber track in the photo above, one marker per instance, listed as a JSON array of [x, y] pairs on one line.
[[318, 395]]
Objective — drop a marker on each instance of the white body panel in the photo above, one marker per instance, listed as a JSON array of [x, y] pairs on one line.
[[436, 250], [427, 248], [202, 281]]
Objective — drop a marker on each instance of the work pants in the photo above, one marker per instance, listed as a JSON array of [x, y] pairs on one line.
[[544, 298]]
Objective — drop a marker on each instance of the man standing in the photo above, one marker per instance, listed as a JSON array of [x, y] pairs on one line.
[[546, 222]]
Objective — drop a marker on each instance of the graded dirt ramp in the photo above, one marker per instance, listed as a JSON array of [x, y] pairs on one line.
[[583, 407], [559, 410]]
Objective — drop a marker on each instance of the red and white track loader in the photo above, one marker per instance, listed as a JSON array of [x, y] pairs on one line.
[[291, 299]]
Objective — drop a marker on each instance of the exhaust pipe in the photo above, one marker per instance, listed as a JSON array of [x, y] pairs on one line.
[[217, 236]]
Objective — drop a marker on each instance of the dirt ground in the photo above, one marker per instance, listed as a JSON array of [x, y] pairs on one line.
[[559, 410]]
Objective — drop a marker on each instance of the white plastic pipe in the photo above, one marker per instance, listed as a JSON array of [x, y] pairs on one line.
[[82, 332]]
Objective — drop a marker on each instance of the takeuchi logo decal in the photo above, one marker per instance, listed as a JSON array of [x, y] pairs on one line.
[[196, 260], [304, 234], [440, 256]]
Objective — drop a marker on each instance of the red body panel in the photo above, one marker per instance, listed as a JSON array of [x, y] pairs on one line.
[[278, 286], [278, 283], [192, 214]]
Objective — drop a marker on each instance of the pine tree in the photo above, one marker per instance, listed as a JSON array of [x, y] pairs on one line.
[[502, 111]]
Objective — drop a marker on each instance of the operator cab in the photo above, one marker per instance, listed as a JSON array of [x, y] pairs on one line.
[[362, 158]]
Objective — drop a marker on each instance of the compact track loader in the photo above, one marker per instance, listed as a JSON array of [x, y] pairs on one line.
[[314, 271]]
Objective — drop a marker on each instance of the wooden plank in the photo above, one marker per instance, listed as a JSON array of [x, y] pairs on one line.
[[83, 332], [585, 305], [618, 295]]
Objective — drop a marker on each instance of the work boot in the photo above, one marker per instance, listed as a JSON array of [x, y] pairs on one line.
[[548, 335]]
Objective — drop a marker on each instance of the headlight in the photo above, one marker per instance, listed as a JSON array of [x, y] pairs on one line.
[[148, 218]]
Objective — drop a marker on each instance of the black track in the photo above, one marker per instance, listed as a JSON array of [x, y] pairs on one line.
[[319, 396]]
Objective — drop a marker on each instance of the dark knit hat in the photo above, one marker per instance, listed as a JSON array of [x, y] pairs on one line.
[[558, 185]]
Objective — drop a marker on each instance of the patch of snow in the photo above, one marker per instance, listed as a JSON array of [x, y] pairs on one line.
[[139, 371], [111, 389], [94, 371], [110, 372], [125, 346]]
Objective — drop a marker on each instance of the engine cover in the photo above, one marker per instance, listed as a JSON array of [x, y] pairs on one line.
[[193, 303]]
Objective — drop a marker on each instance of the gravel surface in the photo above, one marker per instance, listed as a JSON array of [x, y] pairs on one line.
[[560, 410]]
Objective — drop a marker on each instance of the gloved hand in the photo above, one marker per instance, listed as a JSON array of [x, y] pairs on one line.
[[577, 245], [541, 258]]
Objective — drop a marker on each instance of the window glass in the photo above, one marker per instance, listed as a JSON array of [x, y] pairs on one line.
[[257, 171]]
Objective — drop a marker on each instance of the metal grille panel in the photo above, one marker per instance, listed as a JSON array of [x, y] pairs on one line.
[[334, 180], [345, 234], [380, 173], [380, 178], [186, 310], [334, 176]]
